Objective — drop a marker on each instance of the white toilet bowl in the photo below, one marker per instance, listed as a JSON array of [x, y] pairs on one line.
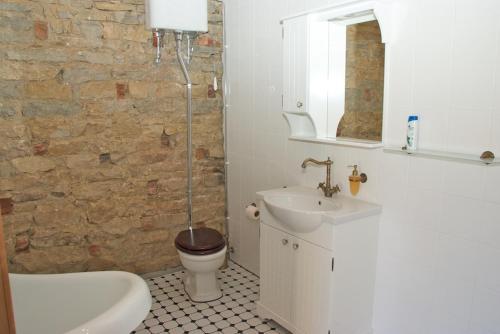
[[200, 280], [202, 252]]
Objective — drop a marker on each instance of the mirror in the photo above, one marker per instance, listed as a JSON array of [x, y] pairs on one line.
[[333, 73], [364, 82]]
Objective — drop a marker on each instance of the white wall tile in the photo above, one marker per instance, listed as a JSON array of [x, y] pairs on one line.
[[489, 277], [461, 218], [433, 55], [425, 209], [468, 130], [464, 180], [439, 234], [485, 317], [426, 174], [494, 143], [475, 54]]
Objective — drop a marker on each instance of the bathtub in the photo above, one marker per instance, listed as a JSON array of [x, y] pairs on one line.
[[84, 303]]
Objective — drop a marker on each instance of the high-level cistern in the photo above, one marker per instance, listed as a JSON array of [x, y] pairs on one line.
[[183, 17], [326, 187]]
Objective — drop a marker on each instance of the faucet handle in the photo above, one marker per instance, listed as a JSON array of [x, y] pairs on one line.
[[321, 185]]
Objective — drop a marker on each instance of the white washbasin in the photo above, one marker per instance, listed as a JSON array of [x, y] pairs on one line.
[[301, 213], [304, 209]]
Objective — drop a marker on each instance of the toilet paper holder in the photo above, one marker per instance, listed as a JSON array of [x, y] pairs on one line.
[[252, 211]]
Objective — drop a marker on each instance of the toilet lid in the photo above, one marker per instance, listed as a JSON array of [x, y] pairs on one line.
[[201, 241]]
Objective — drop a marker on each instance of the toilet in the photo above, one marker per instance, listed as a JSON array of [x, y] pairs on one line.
[[202, 252]]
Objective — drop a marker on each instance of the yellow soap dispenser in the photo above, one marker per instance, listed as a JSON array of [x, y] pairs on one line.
[[355, 180]]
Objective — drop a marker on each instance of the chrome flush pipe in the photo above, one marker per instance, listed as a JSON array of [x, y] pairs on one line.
[[225, 89], [189, 90], [158, 35]]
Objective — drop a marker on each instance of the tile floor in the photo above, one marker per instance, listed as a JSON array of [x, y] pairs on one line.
[[172, 311]]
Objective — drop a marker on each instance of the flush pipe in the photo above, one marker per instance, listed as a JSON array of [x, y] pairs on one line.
[[225, 89], [189, 90]]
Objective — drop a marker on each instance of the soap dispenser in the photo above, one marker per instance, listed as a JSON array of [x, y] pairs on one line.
[[355, 180]]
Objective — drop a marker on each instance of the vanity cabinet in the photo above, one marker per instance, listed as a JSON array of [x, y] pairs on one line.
[[321, 281], [296, 285]]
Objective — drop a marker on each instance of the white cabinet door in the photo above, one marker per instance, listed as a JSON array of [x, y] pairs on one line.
[[295, 47], [312, 275], [275, 271]]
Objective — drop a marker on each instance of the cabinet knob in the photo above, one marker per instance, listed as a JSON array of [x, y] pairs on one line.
[[299, 104], [284, 242], [295, 246]]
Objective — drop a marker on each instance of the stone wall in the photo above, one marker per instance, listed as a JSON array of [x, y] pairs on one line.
[[364, 83], [92, 137]]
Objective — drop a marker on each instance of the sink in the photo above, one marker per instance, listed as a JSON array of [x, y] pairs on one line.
[[301, 213], [303, 209]]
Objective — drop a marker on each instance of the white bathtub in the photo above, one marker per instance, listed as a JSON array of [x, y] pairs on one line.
[[84, 303]]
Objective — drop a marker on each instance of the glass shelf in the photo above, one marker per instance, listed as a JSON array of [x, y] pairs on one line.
[[350, 142], [441, 155]]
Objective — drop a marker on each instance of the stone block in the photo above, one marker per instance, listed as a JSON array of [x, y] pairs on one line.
[[211, 92], [22, 243], [56, 55], [95, 57], [29, 196], [169, 89], [140, 89], [15, 23], [213, 179], [82, 161], [92, 32], [32, 165], [6, 206], [15, 70], [41, 30], [7, 112], [80, 74], [121, 90], [114, 6], [61, 259], [40, 149], [201, 153], [49, 108], [48, 90], [127, 32], [10, 89], [6, 169], [15, 7], [98, 90]]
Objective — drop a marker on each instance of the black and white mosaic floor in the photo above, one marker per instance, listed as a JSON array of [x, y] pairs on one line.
[[172, 311]]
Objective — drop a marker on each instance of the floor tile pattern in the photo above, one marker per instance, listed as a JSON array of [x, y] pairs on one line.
[[172, 311]]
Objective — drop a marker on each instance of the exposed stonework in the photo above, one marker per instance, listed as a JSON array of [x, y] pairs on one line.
[[364, 83], [92, 137]]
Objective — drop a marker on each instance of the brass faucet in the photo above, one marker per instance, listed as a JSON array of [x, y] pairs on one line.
[[326, 187]]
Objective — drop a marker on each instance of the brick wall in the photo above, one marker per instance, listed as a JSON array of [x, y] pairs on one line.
[[92, 137], [364, 83]]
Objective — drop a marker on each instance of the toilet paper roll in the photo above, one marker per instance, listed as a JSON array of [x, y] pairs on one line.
[[252, 212]]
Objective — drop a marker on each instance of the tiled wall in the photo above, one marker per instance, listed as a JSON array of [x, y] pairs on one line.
[[439, 240]]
